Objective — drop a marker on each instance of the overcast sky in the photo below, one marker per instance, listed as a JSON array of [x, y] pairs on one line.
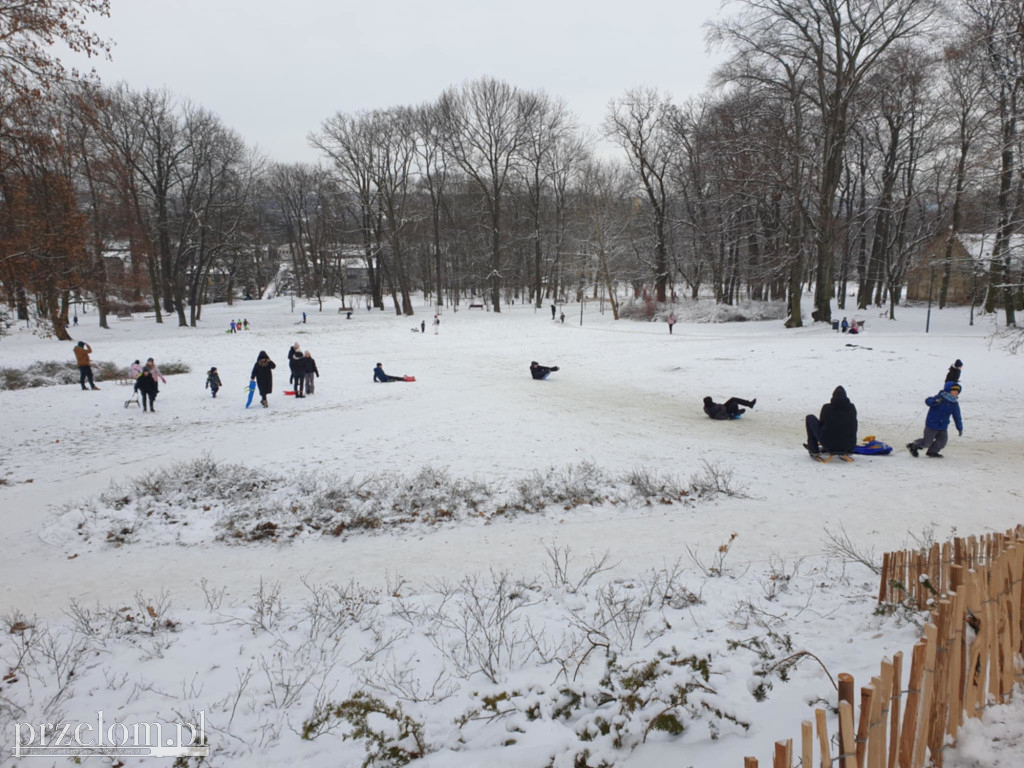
[[275, 70]]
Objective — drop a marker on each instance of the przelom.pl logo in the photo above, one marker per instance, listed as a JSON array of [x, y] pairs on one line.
[[114, 739]]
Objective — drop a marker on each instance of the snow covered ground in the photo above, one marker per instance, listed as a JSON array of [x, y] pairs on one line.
[[627, 397]]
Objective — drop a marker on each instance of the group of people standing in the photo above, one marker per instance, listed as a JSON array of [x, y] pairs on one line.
[[237, 326], [302, 367]]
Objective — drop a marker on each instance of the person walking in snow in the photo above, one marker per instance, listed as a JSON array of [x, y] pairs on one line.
[[245, 324], [155, 371], [835, 429], [303, 317], [294, 355], [263, 375], [213, 381], [671, 322], [561, 317], [953, 374], [730, 409], [941, 407], [309, 371], [553, 312], [146, 386], [437, 324], [423, 326], [845, 325], [232, 326], [82, 352]]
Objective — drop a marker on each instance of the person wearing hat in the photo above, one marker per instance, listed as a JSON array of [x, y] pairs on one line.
[[953, 374], [835, 429], [936, 424]]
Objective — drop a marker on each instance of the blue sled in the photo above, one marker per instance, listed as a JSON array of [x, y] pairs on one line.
[[252, 391]]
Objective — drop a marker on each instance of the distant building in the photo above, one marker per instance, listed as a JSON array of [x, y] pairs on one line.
[[970, 258]]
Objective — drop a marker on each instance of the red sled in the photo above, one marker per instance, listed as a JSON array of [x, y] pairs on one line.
[[408, 378], [287, 392]]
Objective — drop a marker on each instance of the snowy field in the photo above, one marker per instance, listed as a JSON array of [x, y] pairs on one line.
[[626, 403]]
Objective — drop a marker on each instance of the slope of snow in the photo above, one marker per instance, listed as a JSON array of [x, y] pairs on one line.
[[628, 396]]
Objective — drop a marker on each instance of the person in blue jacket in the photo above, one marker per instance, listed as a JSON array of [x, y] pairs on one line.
[[936, 424], [379, 375]]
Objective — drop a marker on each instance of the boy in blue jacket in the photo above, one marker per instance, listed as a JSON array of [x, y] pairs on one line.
[[936, 424]]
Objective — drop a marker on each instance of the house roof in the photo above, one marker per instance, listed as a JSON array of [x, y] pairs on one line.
[[979, 246]]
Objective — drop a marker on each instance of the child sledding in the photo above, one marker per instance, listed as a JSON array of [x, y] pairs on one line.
[[379, 375], [539, 371], [730, 409]]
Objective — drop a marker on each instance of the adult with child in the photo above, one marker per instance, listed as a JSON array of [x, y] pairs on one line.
[[146, 386], [941, 408], [539, 371], [730, 409], [82, 352], [835, 429], [263, 375]]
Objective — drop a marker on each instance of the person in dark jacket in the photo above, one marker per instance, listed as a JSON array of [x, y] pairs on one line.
[[309, 370], [953, 374], [148, 387], [835, 430], [379, 375], [936, 424], [294, 355], [213, 380], [539, 371], [730, 409], [263, 375]]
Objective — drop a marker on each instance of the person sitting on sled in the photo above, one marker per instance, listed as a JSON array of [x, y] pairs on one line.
[[539, 371], [379, 375], [835, 430], [730, 409]]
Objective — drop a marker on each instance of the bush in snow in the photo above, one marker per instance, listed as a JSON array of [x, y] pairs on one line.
[[52, 373], [583, 483]]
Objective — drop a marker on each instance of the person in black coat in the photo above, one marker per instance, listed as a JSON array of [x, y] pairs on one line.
[[294, 356], [379, 375], [539, 371], [835, 430], [263, 375], [148, 387], [730, 409], [953, 374], [309, 370]]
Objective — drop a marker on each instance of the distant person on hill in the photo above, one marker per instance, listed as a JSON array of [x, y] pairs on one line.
[[309, 371], [835, 430], [146, 386], [379, 375], [155, 371], [953, 374], [232, 326], [437, 324], [730, 409], [294, 355], [553, 310], [539, 371], [423, 326], [82, 352], [213, 381], [245, 324], [76, 321], [936, 424], [671, 322], [263, 375], [561, 318], [845, 325]]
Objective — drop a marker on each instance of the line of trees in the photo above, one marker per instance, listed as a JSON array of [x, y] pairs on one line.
[[835, 143]]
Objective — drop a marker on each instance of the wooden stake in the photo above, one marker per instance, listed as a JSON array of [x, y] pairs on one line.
[[823, 741], [806, 744], [847, 745], [867, 695], [783, 754], [927, 685], [894, 707], [912, 709]]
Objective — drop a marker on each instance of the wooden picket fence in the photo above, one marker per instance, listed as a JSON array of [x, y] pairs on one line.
[[970, 657]]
